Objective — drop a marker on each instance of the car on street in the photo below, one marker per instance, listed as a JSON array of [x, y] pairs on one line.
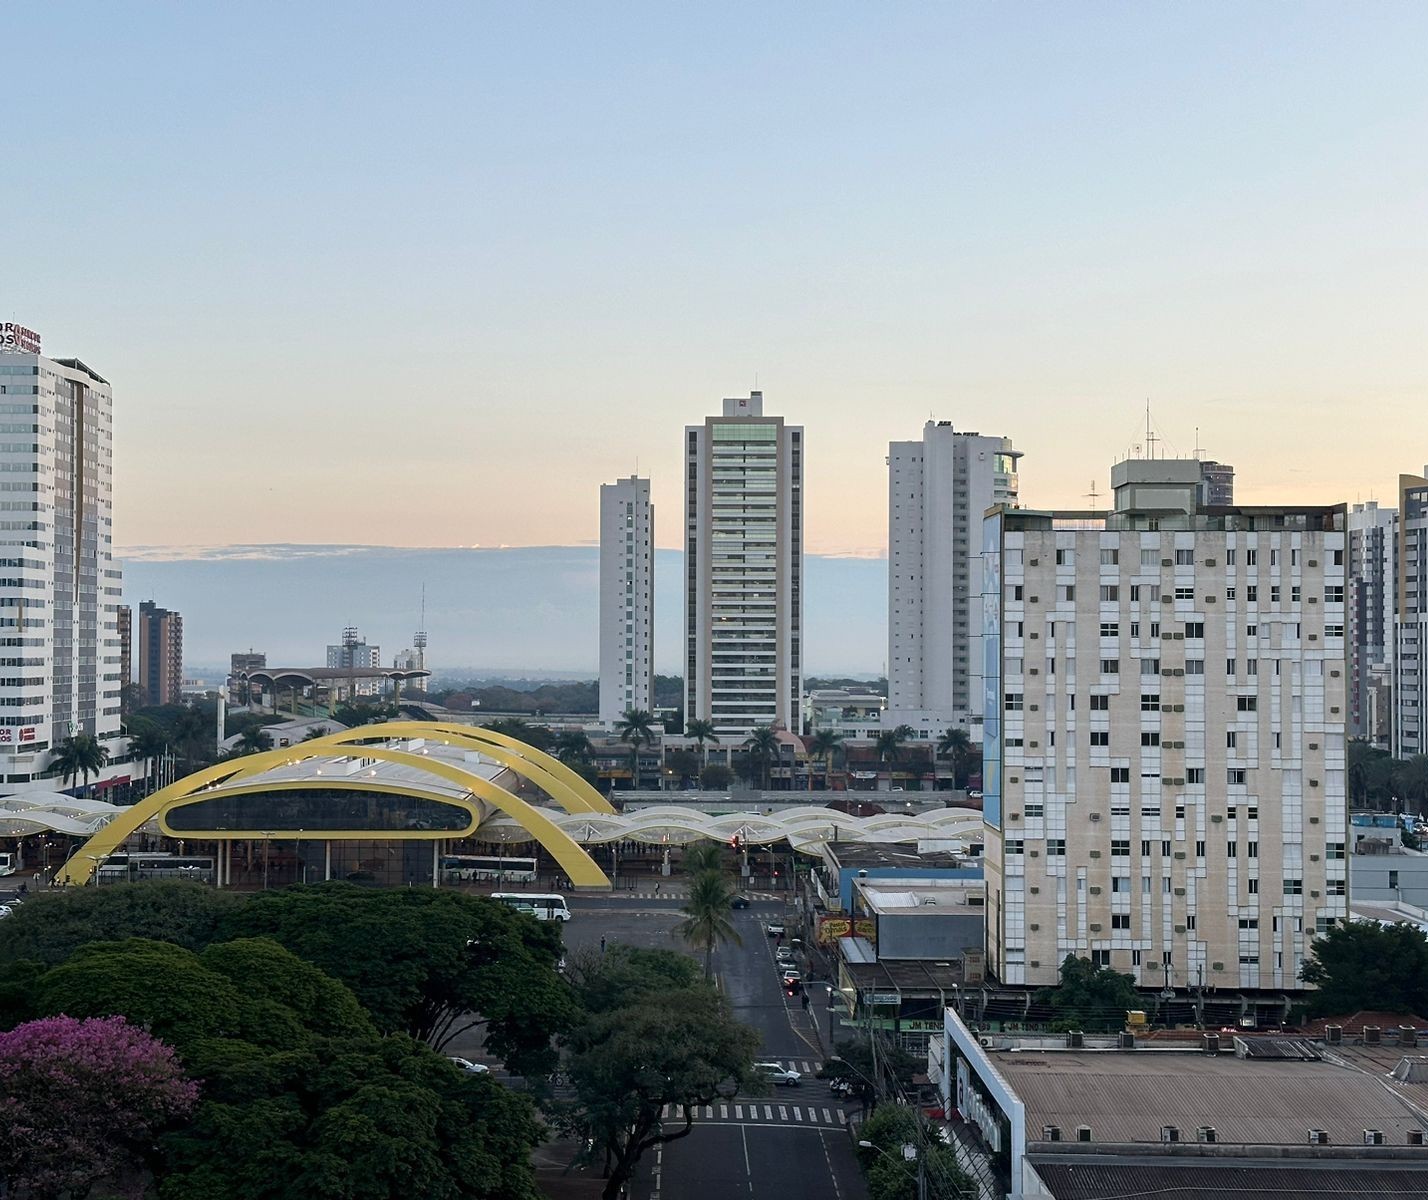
[[783, 956], [777, 1073], [739, 901], [774, 929], [792, 981], [468, 1066], [6, 911]]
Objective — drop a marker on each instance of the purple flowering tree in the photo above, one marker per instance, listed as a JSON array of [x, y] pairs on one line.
[[82, 1101]]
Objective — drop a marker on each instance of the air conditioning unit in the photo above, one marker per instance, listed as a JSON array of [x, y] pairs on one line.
[[1083, 1133], [1373, 1035], [1318, 1137], [1415, 1137], [1076, 1040], [985, 1042], [1051, 1133], [1169, 1133], [1373, 1137], [1334, 1034], [1206, 1133], [1211, 1043], [1126, 1041], [1407, 1035]]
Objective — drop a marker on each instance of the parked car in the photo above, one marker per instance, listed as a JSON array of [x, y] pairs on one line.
[[774, 929], [784, 956], [468, 1066], [777, 1073]]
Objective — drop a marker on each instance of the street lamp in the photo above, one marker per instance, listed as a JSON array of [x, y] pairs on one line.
[[909, 1155]]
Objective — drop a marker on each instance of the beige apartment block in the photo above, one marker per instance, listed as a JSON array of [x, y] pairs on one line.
[[1165, 745]]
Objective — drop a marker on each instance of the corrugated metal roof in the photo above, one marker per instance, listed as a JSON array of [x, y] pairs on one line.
[[1208, 1179]]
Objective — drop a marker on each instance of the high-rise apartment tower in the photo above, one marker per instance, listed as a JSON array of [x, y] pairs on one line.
[[58, 608], [1164, 749], [743, 566], [938, 490], [626, 599], [160, 654], [1410, 671], [1371, 596]]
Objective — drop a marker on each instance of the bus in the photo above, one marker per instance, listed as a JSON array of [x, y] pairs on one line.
[[130, 866], [549, 906], [470, 868], [7, 863]]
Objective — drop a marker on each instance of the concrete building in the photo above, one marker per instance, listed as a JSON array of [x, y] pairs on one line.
[[160, 654], [60, 603], [1164, 760], [1372, 584], [354, 653], [938, 489], [854, 715], [743, 569], [1410, 671], [1217, 484], [124, 622], [1382, 870], [626, 599]]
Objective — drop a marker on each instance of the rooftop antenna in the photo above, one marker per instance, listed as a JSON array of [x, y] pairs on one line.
[[1150, 438], [419, 640], [1197, 441], [1093, 496]]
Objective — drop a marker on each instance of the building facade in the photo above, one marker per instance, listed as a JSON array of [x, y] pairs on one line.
[[354, 653], [743, 568], [626, 599], [124, 623], [938, 489], [1410, 673], [1164, 761], [1373, 578], [160, 654], [1217, 484], [59, 612]]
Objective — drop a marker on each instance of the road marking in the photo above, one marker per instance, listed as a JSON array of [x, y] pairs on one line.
[[798, 1113], [832, 1174], [782, 1113], [842, 1117], [738, 1112], [768, 1112], [723, 1112], [708, 1112], [748, 1167], [785, 1125], [828, 1116]]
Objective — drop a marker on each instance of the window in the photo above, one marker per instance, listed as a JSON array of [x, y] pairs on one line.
[[1334, 850], [1190, 921], [1149, 703], [1251, 557], [1274, 594], [1165, 849], [1294, 887], [1149, 666], [1199, 849], [1035, 809], [1014, 701], [1231, 850], [1194, 629], [1195, 775], [1333, 631], [1333, 595], [1015, 846], [1110, 558], [1229, 558], [1146, 847], [1110, 629], [1252, 594], [1065, 558], [1252, 886], [1148, 557], [1251, 666], [1120, 849], [1251, 849], [1295, 594], [1149, 737], [1232, 739], [1100, 737], [1016, 592], [1066, 593], [1110, 666], [1109, 593], [1100, 704], [1274, 558], [1252, 631], [1185, 593], [1249, 922], [1185, 558], [1249, 960], [1135, 629], [1229, 593], [1229, 666], [1247, 703], [1055, 846], [1335, 887], [1194, 666], [1179, 812], [1120, 920], [1120, 774], [1100, 958], [1120, 883], [1145, 591], [1235, 776]]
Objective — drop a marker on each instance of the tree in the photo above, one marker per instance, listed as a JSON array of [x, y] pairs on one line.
[[889, 746], [1410, 781], [315, 732], [147, 741], [716, 777], [253, 740], [1364, 965], [52, 925], [1090, 997], [78, 757], [703, 858], [677, 1047], [192, 734], [763, 746], [572, 746], [637, 728], [81, 1102], [702, 731], [428, 963], [706, 917], [537, 736], [955, 745], [826, 744], [893, 1176], [682, 764]]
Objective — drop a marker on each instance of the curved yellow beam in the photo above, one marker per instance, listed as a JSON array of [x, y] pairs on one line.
[[579, 867], [548, 773]]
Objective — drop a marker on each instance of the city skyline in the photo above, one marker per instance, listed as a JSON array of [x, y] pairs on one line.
[[871, 217]]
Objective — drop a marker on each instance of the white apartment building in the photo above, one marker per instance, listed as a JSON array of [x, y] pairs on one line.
[[938, 490], [355, 653], [1410, 672], [60, 595], [1371, 596], [743, 569], [626, 599], [1164, 751]]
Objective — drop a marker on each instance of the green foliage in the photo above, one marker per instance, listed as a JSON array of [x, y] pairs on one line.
[[1090, 998], [706, 917], [1410, 781], [624, 974], [763, 747], [364, 711], [53, 924], [423, 961], [893, 1176], [1362, 965], [703, 732], [703, 856], [537, 736], [716, 777], [78, 757], [637, 728]]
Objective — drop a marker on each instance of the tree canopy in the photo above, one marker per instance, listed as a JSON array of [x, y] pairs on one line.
[[1090, 997], [1363, 965]]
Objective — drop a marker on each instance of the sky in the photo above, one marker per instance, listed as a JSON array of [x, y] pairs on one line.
[[427, 275]]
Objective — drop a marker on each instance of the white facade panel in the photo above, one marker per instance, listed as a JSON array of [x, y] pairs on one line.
[[626, 599]]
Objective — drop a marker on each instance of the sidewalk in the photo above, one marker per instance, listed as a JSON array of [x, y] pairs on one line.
[[557, 1179]]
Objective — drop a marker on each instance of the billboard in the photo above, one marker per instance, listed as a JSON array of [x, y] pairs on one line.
[[16, 339]]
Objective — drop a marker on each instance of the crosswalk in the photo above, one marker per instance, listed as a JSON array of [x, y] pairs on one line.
[[764, 1112], [672, 893]]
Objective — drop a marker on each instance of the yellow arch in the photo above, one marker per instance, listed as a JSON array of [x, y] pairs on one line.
[[579, 867], [548, 773]]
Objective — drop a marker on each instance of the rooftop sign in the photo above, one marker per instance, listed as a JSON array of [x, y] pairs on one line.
[[16, 339]]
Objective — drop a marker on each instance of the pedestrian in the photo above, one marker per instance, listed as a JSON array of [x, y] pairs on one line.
[[602, 944], [657, 886], [805, 1001]]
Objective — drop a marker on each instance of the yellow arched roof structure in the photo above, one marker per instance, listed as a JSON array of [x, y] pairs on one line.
[[230, 776]]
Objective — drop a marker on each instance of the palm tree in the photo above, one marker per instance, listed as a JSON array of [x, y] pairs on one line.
[[253, 740], [762, 745], [78, 757], [147, 741], [826, 743], [955, 745], [706, 922], [889, 746], [637, 728], [314, 733], [1410, 781], [701, 731], [572, 746], [190, 732], [703, 858]]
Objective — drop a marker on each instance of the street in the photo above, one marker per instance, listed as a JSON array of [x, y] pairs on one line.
[[793, 1142]]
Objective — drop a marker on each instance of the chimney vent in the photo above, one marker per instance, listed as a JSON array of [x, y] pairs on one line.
[[1415, 1137], [1171, 1133], [1083, 1133], [1206, 1133], [1075, 1040], [1334, 1034], [1373, 1035], [1318, 1137], [1051, 1133], [1373, 1137], [1212, 1043]]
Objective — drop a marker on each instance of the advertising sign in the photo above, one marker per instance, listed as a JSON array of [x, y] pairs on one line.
[[835, 927], [16, 339]]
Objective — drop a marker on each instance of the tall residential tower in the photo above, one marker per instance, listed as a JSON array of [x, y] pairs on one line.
[[1373, 578], [938, 489], [1410, 671], [1164, 749], [160, 654], [58, 610], [743, 569], [626, 599]]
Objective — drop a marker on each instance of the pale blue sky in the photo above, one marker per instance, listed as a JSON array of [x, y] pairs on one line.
[[470, 261]]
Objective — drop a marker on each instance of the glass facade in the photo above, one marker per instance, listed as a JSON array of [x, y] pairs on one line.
[[318, 809]]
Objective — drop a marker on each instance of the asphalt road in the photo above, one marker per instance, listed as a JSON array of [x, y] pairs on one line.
[[792, 1143]]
